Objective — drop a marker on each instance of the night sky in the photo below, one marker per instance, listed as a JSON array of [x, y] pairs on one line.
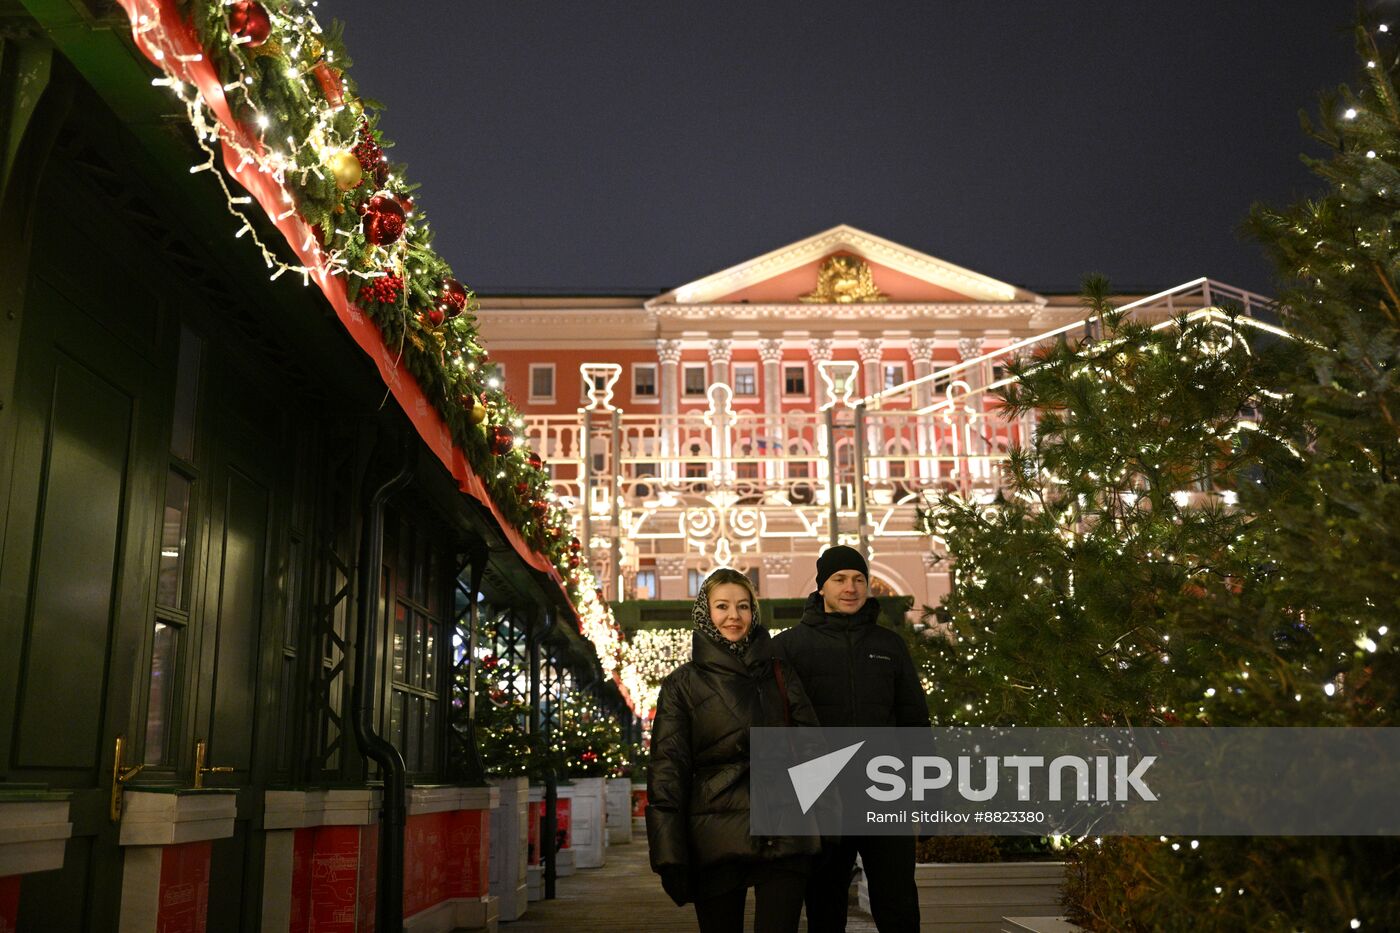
[[611, 147]]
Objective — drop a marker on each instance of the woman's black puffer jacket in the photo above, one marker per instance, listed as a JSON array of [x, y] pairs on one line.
[[698, 779]]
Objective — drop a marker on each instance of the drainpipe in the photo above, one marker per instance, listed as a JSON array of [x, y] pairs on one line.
[[551, 786], [394, 816]]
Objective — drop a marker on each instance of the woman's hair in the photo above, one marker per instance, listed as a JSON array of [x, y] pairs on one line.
[[729, 575]]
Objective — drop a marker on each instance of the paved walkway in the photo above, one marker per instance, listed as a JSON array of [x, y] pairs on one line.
[[625, 897]]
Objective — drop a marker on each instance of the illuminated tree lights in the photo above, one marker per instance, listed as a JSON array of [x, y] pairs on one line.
[[1207, 532]]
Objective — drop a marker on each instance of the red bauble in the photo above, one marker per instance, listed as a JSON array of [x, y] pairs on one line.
[[575, 560], [383, 220], [541, 508], [454, 297], [432, 317], [248, 20], [575, 545], [536, 461], [522, 489], [502, 440], [490, 661]]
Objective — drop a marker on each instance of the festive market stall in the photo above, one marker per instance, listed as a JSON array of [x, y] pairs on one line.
[[261, 501]]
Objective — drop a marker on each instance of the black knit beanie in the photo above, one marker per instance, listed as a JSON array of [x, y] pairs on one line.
[[837, 558]]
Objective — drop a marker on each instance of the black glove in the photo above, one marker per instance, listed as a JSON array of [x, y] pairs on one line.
[[675, 881]]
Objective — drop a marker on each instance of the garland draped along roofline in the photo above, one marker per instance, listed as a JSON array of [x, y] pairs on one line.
[[264, 89]]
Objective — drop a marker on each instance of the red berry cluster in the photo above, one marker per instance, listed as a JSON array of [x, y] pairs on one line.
[[384, 289], [370, 154]]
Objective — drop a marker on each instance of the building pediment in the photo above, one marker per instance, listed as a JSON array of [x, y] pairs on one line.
[[843, 267]]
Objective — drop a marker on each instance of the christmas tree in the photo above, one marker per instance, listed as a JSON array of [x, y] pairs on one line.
[[1118, 508], [588, 741], [502, 720], [1275, 606]]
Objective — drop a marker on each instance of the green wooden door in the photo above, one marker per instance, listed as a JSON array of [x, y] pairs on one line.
[[75, 574], [241, 640]]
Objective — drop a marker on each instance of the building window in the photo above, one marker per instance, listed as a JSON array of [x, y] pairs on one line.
[[745, 380], [644, 380], [894, 375], [794, 380], [646, 584], [415, 578], [693, 579], [695, 381], [541, 382]]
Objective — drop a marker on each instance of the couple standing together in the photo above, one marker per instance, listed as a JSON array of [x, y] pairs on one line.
[[838, 667]]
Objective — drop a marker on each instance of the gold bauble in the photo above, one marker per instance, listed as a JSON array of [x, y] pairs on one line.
[[477, 413], [346, 169]]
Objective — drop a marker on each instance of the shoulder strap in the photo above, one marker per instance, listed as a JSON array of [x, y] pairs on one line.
[[782, 689]]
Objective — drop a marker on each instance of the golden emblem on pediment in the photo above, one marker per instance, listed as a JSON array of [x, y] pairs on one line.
[[845, 280]]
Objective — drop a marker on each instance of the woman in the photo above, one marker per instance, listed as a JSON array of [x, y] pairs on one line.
[[698, 779]]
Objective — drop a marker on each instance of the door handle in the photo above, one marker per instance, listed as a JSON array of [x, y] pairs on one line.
[[120, 776], [199, 769]]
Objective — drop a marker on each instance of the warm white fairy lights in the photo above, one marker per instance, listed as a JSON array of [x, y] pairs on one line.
[[278, 156]]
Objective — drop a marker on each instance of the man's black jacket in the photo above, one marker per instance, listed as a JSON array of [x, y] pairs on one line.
[[855, 672]]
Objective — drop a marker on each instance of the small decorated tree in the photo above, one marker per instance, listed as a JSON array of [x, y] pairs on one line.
[[502, 721], [588, 741]]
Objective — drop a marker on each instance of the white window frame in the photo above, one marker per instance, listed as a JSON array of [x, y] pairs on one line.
[[655, 397], [806, 378], [586, 382], [655, 589], [553, 383], [885, 374], [747, 367], [687, 368]]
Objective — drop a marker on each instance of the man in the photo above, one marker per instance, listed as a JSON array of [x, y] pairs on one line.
[[856, 674]]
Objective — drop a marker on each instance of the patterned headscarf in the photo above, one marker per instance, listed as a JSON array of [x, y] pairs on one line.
[[700, 612]]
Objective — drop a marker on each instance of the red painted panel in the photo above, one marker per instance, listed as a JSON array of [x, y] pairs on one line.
[[429, 861], [563, 814], [303, 847], [369, 875], [471, 836], [639, 802], [535, 816], [183, 904], [9, 904], [335, 889]]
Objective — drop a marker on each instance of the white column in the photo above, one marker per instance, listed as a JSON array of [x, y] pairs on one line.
[[721, 353], [925, 435], [776, 582], [670, 578], [819, 349], [975, 376], [669, 353], [775, 444], [871, 352]]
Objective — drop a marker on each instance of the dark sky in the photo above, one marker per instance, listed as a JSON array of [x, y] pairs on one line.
[[610, 146]]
